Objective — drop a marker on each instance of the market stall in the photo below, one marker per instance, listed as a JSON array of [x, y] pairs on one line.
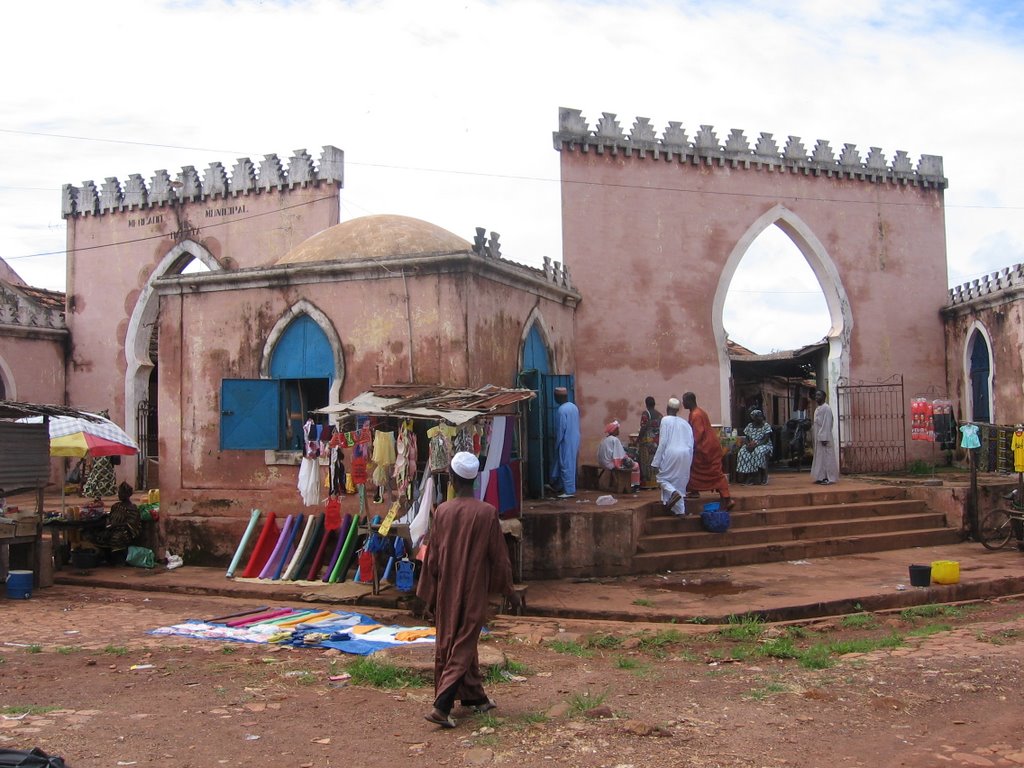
[[384, 456]]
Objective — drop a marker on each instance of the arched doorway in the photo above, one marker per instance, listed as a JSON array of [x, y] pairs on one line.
[[141, 343], [830, 360], [535, 373], [979, 372]]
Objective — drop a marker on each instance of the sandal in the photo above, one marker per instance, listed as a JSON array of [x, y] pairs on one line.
[[437, 717], [727, 503], [674, 499], [487, 706]]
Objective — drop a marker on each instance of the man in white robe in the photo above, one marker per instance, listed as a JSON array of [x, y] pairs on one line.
[[825, 465], [673, 458]]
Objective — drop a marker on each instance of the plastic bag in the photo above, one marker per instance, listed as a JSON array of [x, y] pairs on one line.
[[36, 758], [140, 557], [605, 501]]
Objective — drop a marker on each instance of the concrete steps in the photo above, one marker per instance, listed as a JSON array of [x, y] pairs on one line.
[[792, 526]]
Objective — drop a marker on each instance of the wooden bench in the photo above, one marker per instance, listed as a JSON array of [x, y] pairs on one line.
[[597, 478]]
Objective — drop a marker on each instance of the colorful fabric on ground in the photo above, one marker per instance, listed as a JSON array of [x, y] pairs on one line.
[[351, 633]]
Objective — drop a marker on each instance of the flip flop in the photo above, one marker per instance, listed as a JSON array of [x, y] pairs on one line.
[[674, 499], [485, 707], [435, 717]]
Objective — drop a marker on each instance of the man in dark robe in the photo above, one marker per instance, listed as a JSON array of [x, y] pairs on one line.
[[706, 471], [466, 561]]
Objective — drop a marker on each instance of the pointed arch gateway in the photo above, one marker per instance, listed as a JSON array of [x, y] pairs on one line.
[[140, 368], [827, 274]]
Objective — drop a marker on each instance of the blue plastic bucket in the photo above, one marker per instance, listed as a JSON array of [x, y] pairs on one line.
[[19, 585], [711, 506]]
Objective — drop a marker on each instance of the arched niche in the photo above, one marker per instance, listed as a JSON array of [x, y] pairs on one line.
[[535, 347], [977, 378], [325, 326]]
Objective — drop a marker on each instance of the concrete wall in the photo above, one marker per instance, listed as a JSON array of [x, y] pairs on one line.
[[652, 239]]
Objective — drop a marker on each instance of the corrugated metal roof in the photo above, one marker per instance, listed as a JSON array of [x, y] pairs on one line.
[[11, 409], [456, 406]]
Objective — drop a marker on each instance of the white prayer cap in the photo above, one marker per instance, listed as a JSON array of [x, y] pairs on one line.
[[673, 403], [465, 465]]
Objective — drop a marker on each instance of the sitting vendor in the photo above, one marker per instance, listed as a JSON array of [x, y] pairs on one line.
[[123, 526], [612, 455]]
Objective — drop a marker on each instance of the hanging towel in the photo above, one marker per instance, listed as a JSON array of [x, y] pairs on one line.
[[507, 501]]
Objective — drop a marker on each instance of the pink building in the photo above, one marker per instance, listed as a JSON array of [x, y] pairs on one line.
[[653, 228]]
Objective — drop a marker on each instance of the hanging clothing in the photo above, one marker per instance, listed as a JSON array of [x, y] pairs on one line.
[[672, 462], [309, 481], [100, 481], [1017, 446], [969, 437]]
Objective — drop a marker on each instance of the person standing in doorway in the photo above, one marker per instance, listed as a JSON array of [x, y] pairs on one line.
[[466, 561], [825, 464], [647, 440], [706, 472], [567, 445], [673, 458]]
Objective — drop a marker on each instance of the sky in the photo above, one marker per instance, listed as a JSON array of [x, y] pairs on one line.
[[445, 109]]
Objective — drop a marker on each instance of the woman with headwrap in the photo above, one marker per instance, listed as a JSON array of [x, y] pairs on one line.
[[752, 459]]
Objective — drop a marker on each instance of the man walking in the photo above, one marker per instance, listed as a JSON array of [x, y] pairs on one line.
[[673, 458], [706, 472], [825, 464], [567, 445], [466, 561]]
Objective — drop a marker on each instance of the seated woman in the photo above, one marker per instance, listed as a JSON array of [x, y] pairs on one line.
[[612, 455], [123, 526], [753, 455]]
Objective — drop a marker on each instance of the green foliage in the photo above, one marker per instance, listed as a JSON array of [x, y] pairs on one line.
[[604, 641], [581, 702], [530, 718], [380, 674], [570, 647], [763, 692], [659, 640], [228, 649], [643, 603], [929, 612], [780, 648], [637, 667], [929, 629], [920, 467], [742, 628], [27, 709], [116, 650], [496, 673], [859, 621], [66, 650], [34, 649]]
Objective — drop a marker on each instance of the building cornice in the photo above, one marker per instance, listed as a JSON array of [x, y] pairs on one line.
[[575, 135]]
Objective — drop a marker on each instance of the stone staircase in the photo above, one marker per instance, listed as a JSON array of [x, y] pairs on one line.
[[794, 525]]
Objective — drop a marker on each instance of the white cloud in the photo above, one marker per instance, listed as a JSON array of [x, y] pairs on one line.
[[445, 109]]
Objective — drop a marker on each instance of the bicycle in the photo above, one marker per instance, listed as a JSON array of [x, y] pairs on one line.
[[997, 527]]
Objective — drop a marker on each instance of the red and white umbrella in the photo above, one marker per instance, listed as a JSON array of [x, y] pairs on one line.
[[74, 436]]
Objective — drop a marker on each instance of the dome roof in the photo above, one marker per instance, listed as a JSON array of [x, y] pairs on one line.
[[375, 237]]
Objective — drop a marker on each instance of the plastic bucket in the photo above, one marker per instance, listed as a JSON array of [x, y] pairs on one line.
[[19, 585], [711, 506], [920, 575], [946, 572]]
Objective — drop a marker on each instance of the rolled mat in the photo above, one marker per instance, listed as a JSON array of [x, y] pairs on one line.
[[347, 550], [311, 547], [326, 543], [264, 547], [253, 517], [293, 535], [346, 523], [300, 549], [275, 556]]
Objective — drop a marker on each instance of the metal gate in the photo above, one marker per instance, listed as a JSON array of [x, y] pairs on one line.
[[145, 430], [872, 426]]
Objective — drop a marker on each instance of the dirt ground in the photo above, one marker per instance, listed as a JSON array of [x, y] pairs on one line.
[[929, 687]]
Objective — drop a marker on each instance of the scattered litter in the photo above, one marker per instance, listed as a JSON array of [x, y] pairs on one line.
[[70, 631], [605, 501], [325, 740], [251, 737], [175, 561], [15, 717], [338, 678], [127, 762], [141, 666], [799, 562], [17, 645], [901, 587], [512, 678]]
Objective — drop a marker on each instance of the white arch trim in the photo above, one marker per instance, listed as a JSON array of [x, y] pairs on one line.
[[140, 328], [825, 271], [7, 377], [304, 307], [977, 325], [536, 317]]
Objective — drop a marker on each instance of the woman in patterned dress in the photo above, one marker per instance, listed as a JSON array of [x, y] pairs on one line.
[[752, 459]]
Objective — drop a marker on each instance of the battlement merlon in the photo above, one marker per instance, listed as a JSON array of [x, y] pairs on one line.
[[1004, 284], [575, 133], [215, 182]]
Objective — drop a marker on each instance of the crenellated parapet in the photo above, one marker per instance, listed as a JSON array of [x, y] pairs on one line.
[[1005, 281], [574, 133], [552, 272], [31, 308], [190, 185]]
